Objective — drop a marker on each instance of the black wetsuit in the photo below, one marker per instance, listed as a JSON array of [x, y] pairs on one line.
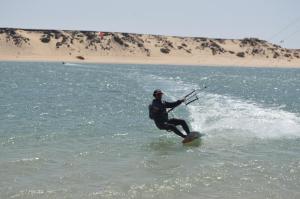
[[161, 119]]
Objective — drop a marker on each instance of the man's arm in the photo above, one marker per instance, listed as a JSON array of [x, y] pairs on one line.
[[173, 104]]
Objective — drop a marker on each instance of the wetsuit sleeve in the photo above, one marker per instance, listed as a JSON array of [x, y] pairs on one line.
[[172, 104]]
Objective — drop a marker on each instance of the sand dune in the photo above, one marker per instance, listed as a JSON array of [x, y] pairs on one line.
[[113, 47]]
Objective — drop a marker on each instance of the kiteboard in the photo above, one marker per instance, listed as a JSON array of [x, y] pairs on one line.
[[191, 137]]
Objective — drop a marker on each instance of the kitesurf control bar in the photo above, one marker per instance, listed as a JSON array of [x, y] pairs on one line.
[[191, 97]]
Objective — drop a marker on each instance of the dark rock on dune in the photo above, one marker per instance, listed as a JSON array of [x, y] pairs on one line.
[[200, 39], [221, 41], [276, 46], [75, 33], [231, 52], [64, 41], [48, 33], [45, 38], [204, 45], [240, 54], [196, 39], [57, 34], [258, 51], [58, 44], [255, 51], [125, 34], [215, 45], [133, 39], [90, 35], [215, 48], [140, 45], [287, 55], [165, 50], [276, 54], [271, 49], [92, 39], [12, 35], [148, 52], [213, 51], [120, 41], [169, 44], [80, 57], [130, 39], [297, 55], [184, 45], [179, 47], [11, 32], [251, 42]]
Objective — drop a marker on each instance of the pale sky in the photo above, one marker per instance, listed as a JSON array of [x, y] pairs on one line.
[[272, 20]]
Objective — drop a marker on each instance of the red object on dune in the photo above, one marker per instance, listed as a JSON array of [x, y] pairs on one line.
[[101, 35]]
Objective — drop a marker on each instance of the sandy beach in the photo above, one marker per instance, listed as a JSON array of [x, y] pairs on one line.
[[128, 48]]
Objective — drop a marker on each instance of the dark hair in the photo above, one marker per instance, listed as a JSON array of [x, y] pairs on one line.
[[155, 92]]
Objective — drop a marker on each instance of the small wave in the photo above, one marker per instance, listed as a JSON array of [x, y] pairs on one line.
[[216, 113], [82, 66], [119, 134], [72, 64], [29, 193], [24, 160]]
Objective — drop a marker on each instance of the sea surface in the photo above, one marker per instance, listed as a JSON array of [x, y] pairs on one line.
[[82, 131]]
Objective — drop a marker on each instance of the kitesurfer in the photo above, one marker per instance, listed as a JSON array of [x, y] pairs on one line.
[[158, 112]]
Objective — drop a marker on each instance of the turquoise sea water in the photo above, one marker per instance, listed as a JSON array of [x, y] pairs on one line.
[[82, 131]]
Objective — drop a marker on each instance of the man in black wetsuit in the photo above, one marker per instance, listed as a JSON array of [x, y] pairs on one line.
[[159, 114]]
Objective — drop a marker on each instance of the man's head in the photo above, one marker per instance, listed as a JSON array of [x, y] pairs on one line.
[[158, 94]]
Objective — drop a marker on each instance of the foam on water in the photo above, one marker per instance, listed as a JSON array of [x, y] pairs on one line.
[[217, 114], [222, 115]]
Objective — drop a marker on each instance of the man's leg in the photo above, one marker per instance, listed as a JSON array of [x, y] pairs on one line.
[[180, 122], [171, 127]]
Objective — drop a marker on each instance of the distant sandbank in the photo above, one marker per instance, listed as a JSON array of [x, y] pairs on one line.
[[128, 48]]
